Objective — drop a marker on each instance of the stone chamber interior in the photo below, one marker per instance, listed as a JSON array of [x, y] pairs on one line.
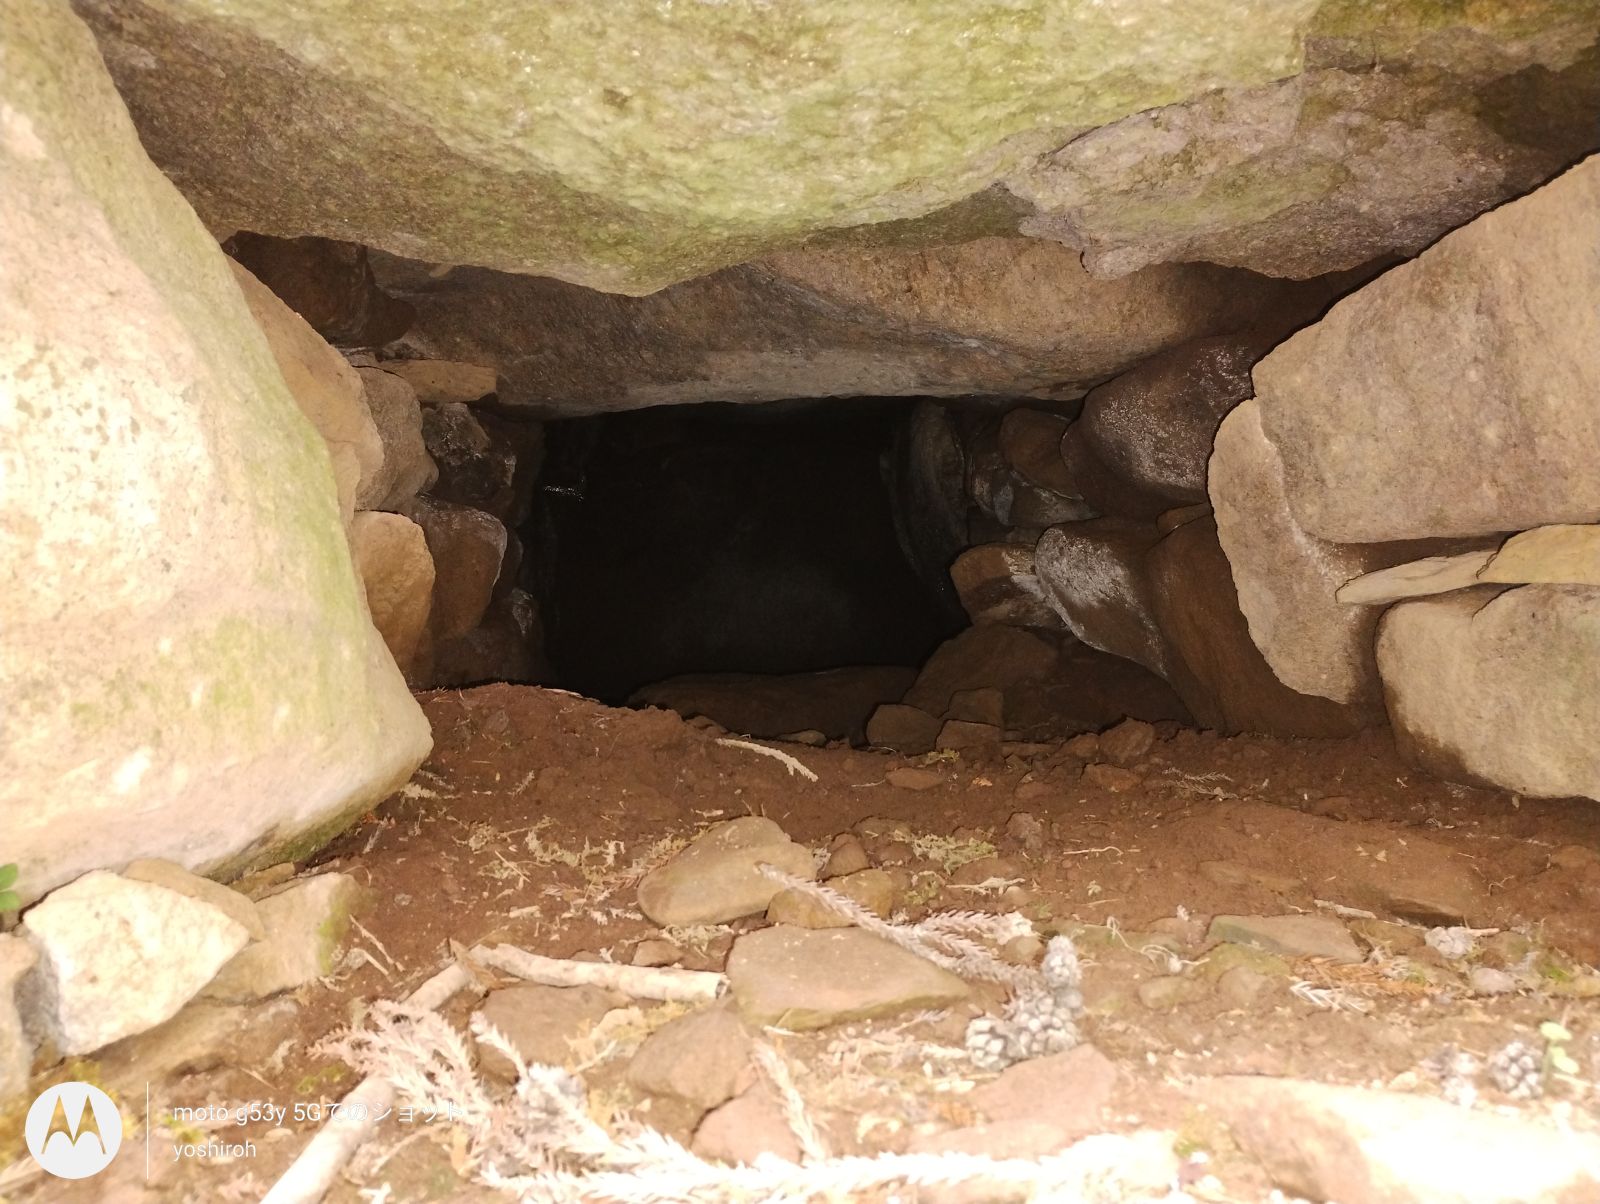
[[774, 601]]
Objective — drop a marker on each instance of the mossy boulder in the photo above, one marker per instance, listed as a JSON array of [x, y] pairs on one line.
[[188, 667]]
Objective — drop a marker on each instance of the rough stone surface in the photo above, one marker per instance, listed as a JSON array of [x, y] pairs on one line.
[[836, 702], [986, 655], [189, 670], [468, 547], [1404, 125], [802, 979], [392, 558], [909, 777], [961, 735], [225, 899], [1287, 578], [473, 468], [1101, 486], [1288, 936], [305, 921], [1497, 686], [17, 958], [328, 283], [996, 583], [697, 1058], [1093, 576], [1216, 667], [746, 1128], [1565, 554], [1351, 1143], [443, 381], [925, 475], [872, 889], [906, 729], [1111, 777], [984, 704], [590, 176], [541, 1022], [715, 880], [1130, 741], [506, 646], [1005, 496], [997, 316], [1154, 425], [407, 469], [1455, 394], [118, 957], [1415, 579], [326, 389], [1065, 1091], [1030, 442]]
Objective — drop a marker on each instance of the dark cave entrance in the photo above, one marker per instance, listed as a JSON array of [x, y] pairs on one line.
[[718, 539]]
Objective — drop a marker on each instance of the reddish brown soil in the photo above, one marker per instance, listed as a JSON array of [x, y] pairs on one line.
[[449, 861]]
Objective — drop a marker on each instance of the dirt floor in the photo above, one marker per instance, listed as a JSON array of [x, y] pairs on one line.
[[538, 811]]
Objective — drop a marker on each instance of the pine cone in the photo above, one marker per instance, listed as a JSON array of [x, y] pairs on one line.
[[1518, 1070]]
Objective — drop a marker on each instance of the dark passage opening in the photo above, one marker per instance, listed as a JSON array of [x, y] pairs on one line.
[[726, 539]]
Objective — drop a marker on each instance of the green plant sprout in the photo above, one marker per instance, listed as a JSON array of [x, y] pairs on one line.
[[9, 899]]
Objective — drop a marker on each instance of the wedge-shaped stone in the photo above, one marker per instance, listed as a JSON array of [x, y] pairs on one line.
[[1564, 554]]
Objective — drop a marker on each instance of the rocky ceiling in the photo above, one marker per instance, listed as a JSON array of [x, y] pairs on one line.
[[631, 145]]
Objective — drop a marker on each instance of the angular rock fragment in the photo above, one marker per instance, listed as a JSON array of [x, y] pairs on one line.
[[305, 921], [1093, 576], [117, 957]]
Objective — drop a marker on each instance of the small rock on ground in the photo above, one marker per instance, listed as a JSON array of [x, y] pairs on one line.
[[745, 1128], [715, 879], [1169, 991], [1127, 742], [802, 979], [305, 923], [907, 777], [541, 1022], [906, 729], [697, 1058], [872, 889], [119, 957], [846, 855], [1288, 936], [1112, 778], [656, 952], [1065, 1091]]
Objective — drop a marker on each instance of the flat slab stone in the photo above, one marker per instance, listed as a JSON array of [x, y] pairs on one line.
[[1351, 1143], [804, 979], [1560, 554], [542, 1022], [118, 957], [1288, 936], [1415, 579], [715, 879]]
